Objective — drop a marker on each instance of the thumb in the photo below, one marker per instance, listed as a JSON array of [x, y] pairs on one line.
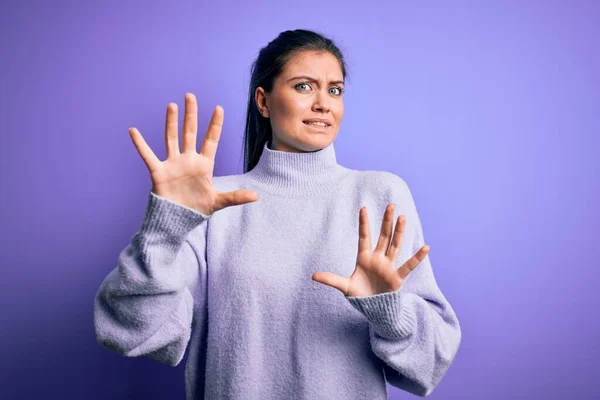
[[335, 281], [234, 198]]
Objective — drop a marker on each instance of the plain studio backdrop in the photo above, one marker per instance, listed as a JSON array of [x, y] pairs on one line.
[[488, 110]]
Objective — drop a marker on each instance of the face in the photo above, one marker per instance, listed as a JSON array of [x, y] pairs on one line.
[[305, 106]]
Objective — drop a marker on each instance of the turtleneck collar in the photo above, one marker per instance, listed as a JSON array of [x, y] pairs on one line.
[[289, 173]]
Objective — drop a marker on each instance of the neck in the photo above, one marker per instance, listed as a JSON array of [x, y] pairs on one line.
[[291, 173]]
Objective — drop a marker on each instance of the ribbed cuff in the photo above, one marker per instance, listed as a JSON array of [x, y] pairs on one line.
[[392, 313], [169, 220]]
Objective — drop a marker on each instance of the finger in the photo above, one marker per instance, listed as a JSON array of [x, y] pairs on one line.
[[394, 249], [211, 138], [150, 159], [235, 198], [386, 229], [364, 234], [333, 280], [171, 135], [190, 123], [413, 262]]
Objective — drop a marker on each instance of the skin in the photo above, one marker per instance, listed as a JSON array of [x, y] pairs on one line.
[[292, 101], [375, 270], [185, 177]]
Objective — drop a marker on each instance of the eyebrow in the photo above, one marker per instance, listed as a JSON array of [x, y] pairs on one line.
[[311, 79]]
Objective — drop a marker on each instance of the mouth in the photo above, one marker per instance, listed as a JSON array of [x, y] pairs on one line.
[[317, 124]]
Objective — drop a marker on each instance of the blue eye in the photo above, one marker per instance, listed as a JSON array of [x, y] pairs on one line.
[[300, 84], [340, 90]]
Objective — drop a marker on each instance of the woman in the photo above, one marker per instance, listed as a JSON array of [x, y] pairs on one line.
[[259, 273]]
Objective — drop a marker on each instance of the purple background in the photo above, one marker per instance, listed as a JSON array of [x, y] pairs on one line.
[[490, 112]]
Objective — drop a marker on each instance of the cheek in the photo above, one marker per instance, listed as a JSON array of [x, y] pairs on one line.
[[293, 108], [338, 111]]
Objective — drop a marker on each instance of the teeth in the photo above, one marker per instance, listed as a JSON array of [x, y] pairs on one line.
[[323, 124]]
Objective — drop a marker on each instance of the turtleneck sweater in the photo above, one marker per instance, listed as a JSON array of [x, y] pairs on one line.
[[234, 290]]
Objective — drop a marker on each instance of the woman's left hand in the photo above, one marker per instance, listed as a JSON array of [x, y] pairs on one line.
[[375, 270]]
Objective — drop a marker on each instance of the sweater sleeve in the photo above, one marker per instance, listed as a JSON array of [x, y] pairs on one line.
[[145, 306], [414, 330]]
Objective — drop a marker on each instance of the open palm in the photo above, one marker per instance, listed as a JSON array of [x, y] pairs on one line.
[[186, 177], [375, 270]]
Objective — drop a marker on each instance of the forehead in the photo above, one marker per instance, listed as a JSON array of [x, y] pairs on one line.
[[313, 63]]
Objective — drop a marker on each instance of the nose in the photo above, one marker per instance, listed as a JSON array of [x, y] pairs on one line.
[[321, 102]]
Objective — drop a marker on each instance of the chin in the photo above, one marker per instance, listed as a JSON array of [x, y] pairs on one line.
[[308, 141], [314, 142]]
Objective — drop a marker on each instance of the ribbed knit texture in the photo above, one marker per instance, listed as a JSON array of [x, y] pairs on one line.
[[235, 290]]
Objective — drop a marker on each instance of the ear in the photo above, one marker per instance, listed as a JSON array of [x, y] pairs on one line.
[[260, 97]]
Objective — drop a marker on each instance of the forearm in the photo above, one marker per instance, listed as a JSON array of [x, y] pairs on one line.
[[144, 305], [417, 338]]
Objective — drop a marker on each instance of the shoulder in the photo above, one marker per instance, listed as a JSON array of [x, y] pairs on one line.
[[383, 183]]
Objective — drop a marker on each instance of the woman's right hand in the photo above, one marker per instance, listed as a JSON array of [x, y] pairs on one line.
[[186, 178]]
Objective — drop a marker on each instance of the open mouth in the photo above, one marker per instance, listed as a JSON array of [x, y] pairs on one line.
[[317, 124]]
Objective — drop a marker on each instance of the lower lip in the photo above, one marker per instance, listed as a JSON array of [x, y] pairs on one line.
[[318, 128]]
